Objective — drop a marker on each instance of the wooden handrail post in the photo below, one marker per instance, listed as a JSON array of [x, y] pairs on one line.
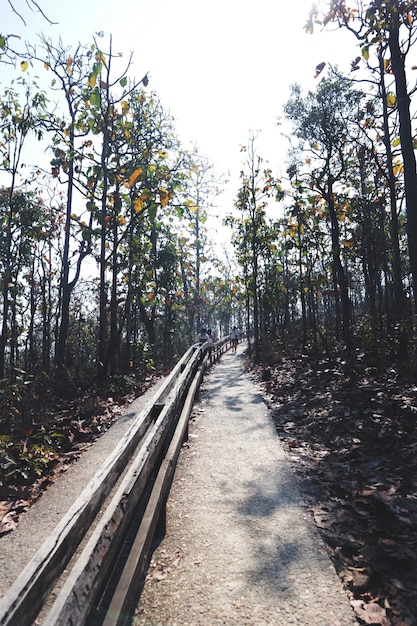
[[161, 525], [156, 410]]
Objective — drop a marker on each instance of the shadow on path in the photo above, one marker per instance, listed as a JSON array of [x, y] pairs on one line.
[[249, 553]]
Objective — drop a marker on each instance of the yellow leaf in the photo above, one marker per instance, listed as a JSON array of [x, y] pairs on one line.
[[125, 107], [92, 80], [391, 100], [163, 196], [398, 169], [100, 57], [365, 52], [134, 176], [24, 65], [138, 204]]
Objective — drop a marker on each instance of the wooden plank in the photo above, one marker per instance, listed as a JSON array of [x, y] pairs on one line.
[[87, 577], [91, 569], [24, 599], [125, 593]]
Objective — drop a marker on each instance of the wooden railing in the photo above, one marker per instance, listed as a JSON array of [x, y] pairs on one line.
[[129, 492]]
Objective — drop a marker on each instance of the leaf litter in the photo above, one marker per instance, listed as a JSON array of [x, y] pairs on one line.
[[351, 437]]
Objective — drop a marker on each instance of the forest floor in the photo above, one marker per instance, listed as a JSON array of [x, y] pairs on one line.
[[42, 434], [351, 437]]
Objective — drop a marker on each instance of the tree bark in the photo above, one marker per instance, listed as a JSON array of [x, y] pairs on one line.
[[407, 147]]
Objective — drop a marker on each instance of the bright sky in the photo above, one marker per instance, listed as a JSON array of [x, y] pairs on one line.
[[221, 67]]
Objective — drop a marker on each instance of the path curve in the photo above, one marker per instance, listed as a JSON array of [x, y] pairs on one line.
[[240, 549]]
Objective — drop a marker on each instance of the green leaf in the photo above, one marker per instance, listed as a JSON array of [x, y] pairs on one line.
[[123, 82], [95, 98]]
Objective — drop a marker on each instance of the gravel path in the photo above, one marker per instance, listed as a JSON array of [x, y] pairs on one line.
[[239, 549]]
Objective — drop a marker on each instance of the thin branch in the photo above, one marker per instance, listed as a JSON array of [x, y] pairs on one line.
[[33, 6], [14, 11]]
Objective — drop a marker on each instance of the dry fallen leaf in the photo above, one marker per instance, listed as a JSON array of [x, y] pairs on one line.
[[370, 613], [8, 523]]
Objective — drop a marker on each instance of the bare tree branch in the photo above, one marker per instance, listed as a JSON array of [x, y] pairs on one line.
[[33, 6], [32, 3]]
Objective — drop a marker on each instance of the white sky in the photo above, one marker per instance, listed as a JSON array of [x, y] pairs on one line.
[[222, 67]]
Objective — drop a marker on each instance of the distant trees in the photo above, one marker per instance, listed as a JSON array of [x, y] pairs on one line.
[[104, 257], [20, 115], [322, 121], [388, 28], [336, 266], [251, 233], [97, 272]]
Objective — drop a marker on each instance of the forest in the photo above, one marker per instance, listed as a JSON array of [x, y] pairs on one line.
[[107, 269]]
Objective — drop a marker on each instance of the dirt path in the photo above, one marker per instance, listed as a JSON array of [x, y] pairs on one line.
[[240, 548]]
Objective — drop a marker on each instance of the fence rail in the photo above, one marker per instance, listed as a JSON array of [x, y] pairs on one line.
[[124, 501]]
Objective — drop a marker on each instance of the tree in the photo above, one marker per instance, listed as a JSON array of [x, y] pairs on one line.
[[257, 186], [70, 69], [154, 172], [320, 119], [18, 120], [199, 192], [390, 26]]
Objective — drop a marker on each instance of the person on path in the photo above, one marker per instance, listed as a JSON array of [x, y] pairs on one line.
[[234, 339], [210, 339], [203, 337]]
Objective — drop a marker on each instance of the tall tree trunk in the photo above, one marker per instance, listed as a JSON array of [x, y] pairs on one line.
[[407, 147], [399, 300], [256, 338], [301, 282], [7, 278], [339, 270], [65, 288]]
